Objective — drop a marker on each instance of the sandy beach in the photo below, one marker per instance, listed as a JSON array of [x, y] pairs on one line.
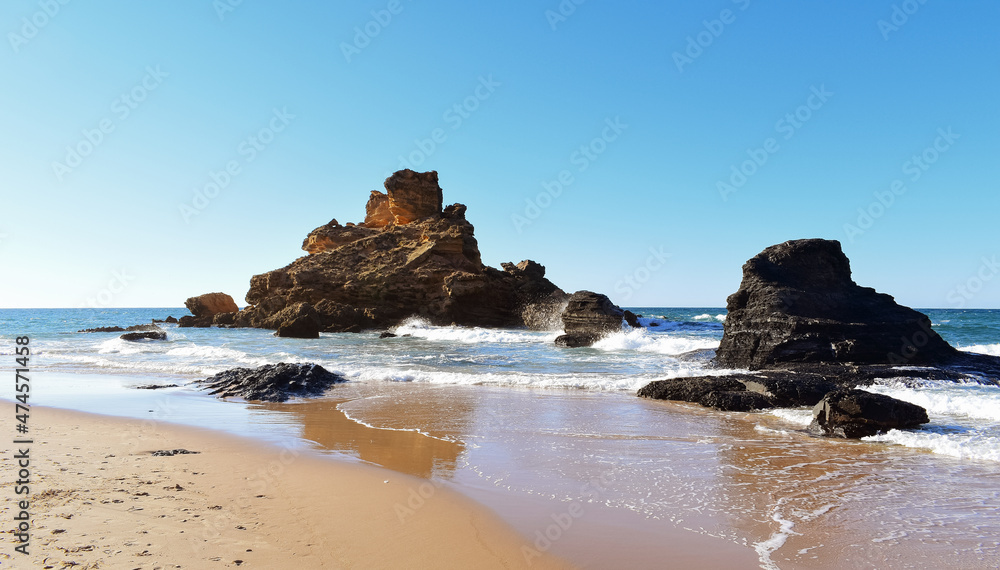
[[100, 499]]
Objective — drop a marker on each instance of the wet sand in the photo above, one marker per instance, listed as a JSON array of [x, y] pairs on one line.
[[99, 499], [606, 480]]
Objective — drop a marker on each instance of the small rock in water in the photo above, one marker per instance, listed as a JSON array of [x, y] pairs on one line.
[[273, 382], [137, 336], [856, 413], [103, 329]]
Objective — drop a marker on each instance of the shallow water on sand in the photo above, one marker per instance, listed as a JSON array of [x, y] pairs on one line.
[[642, 476]]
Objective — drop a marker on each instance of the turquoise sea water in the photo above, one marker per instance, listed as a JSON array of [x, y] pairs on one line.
[[621, 363]]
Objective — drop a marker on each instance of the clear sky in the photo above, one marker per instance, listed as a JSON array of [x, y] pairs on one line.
[[687, 137]]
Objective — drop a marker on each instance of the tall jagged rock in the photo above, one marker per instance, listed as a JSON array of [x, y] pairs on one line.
[[798, 303], [423, 261], [413, 195]]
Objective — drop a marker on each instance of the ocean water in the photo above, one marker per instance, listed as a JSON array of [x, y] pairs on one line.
[[506, 411]]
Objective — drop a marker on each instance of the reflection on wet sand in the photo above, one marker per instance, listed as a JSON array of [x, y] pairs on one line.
[[821, 503], [407, 452]]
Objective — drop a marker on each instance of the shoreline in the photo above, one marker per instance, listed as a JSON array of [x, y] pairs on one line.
[[673, 481], [105, 500]]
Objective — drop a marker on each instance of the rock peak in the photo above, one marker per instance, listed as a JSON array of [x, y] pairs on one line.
[[413, 195], [804, 263], [798, 303]]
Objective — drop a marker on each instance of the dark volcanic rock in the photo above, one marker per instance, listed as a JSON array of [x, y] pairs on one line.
[[170, 320], [103, 329], [387, 334], [409, 258], [631, 319], [577, 340], [791, 390], [737, 401], [856, 414], [149, 335], [689, 389], [743, 392], [272, 382], [589, 315], [798, 303]]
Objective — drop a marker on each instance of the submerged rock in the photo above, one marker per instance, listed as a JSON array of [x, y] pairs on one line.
[[148, 335], [855, 414], [272, 382], [798, 303], [577, 340], [150, 327], [103, 329], [144, 332]]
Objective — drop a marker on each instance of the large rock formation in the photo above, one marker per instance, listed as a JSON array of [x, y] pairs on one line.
[[588, 316], [410, 257], [798, 303], [811, 335]]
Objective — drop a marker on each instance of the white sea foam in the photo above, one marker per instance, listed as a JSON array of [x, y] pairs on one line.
[[703, 317], [765, 548], [954, 400], [593, 382], [990, 349], [117, 345], [965, 418], [795, 416], [470, 335], [209, 352], [963, 445], [720, 318], [642, 341]]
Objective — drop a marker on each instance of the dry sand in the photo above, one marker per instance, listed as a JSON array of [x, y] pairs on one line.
[[100, 499]]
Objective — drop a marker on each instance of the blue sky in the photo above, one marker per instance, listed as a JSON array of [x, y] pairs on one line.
[[688, 137]]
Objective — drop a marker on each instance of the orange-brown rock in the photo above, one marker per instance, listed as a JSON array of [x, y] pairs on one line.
[[332, 236], [211, 304], [413, 195], [425, 263], [377, 214]]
